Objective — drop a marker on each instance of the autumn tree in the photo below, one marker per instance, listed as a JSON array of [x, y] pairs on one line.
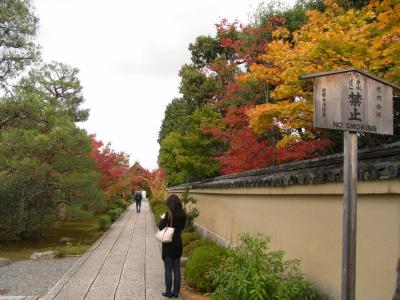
[[113, 168], [265, 109], [157, 182], [333, 39]]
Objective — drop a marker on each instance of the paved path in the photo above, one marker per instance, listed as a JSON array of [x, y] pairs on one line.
[[124, 264]]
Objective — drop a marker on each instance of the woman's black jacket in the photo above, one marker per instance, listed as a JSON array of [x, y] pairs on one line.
[[175, 248]]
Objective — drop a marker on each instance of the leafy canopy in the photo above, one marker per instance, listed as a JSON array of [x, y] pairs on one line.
[[43, 155], [18, 48]]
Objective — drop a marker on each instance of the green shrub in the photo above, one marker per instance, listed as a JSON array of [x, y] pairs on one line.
[[154, 202], [73, 212], [201, 260], [104, 222], [158, 210], [115, 213], [119, 204], [100, 208], [252, 271], [188, 249], [188, 237], [123, 204]]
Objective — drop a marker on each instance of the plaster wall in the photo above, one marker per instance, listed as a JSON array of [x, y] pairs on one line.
[[306, 222]]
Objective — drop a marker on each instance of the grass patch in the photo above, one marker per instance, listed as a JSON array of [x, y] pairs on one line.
[[84, 233], [71, 249]]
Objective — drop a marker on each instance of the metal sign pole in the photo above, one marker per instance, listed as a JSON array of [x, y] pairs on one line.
[[349, 216]]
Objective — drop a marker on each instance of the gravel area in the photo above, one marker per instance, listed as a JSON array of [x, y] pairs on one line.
[[29, 277]]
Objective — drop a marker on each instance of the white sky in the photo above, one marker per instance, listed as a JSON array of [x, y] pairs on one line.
[[129, 54]]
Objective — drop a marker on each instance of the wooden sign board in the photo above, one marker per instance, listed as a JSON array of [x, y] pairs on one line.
[[350, 100]]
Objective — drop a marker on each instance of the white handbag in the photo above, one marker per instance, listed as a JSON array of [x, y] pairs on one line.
[[165, 235]]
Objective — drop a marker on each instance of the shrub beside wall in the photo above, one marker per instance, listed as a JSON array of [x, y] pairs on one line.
[[189, 248], [201, 260], [252, 271], [188, 237]]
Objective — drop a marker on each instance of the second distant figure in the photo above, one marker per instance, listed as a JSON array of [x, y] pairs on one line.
[[138, 199]]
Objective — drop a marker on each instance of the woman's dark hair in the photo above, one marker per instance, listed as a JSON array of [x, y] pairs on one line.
[[175, 205]]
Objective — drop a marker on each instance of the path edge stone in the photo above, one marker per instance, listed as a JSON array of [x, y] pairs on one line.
[[54, 290]]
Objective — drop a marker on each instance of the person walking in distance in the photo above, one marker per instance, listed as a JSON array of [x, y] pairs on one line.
[[138, 200], [172, 252]]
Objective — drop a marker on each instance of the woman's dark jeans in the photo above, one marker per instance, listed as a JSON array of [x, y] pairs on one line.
[[172, 265]]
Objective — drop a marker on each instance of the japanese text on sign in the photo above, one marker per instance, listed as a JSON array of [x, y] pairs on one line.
[[352, 101]]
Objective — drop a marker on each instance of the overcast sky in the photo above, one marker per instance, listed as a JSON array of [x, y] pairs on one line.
[[129, 54]]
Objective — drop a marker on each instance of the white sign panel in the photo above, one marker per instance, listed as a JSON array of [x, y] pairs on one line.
[[354, 102]]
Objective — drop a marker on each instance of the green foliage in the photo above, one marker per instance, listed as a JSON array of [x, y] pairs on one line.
[[57, 86], [43, 154], [205, 50], [99, 206], [104, 222], [115, 213], [188, 237], [18, 28], [75, 212], [353, 4], [188, 249], [252, 271], [153, 202], [190, 156], [294, 17], [120, 204], [196, 87], [191, 211], [158, 210], [175, 118], [199, 263], [187, 157]]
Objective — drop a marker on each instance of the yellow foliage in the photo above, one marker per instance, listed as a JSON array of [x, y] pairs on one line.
[[286, 114], [287, 140], [368, 39], [281, 33]]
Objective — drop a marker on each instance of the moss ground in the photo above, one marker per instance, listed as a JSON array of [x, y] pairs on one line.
[[84, 233]]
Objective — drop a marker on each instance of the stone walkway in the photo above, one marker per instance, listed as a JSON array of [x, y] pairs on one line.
[[124, 264]]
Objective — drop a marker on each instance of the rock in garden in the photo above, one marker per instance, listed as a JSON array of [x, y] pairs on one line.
[[4, 262], [43, 255], [66, 239], [183, 261]]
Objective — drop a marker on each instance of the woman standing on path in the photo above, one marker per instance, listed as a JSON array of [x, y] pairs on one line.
[[172, 252]]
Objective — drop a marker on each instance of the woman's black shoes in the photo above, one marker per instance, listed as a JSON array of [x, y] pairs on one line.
[[168, 295]]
